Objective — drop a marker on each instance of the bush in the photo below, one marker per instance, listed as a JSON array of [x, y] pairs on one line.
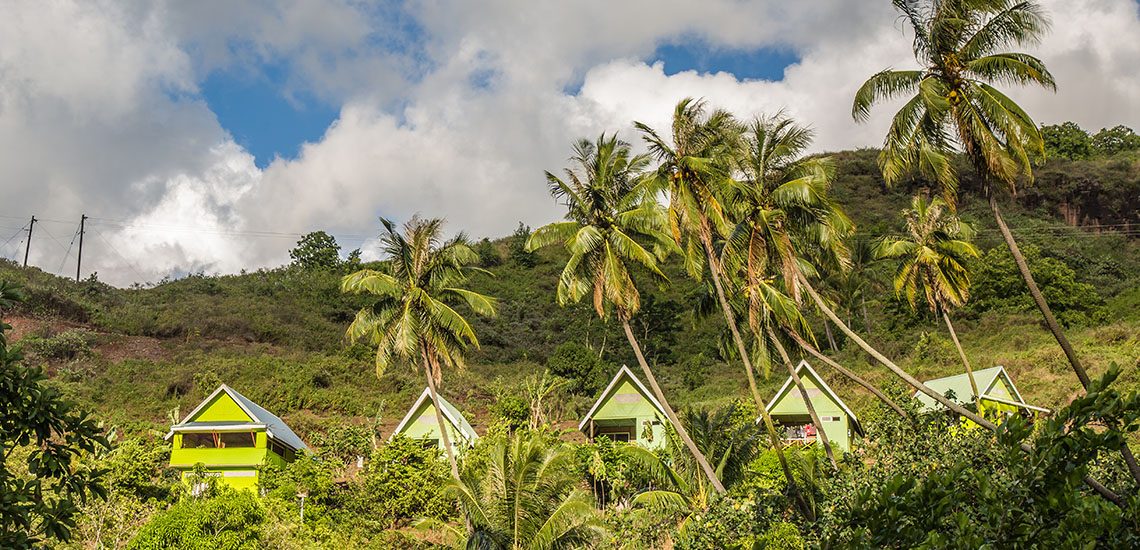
[[578, 364], [404, 481], [488, 255], [696, 370], [509, 409], [998, 286], [233, 520], [69, 345]]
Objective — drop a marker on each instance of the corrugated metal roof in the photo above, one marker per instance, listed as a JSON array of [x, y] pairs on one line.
[[960, 384]]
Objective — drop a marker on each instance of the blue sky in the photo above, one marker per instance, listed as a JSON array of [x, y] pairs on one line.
[[266, 116], [254, 108]]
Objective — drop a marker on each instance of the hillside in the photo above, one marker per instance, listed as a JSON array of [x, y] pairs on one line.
[[135, 355]]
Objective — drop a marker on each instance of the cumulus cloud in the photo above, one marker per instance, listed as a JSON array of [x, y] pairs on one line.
[[447, 108]]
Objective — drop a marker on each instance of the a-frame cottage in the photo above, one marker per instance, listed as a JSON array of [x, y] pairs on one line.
[[420, 423], [232, 437], [626, 411], [789, 410], [999, 396]]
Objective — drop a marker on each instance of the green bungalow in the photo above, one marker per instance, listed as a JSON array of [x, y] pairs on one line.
[[420, 423], [999, 394], [790, 411], [232, 437], [626, 411]]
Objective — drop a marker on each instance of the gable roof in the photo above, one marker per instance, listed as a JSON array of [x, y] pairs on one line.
[[613, 385], [261, 418], [789, 384], [963, 393], [451, 413]]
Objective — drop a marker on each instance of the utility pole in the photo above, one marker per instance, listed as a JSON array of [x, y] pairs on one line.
[[79, 261], [29, 247]]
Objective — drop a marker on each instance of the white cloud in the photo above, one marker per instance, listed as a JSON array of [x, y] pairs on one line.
[[455, 113]]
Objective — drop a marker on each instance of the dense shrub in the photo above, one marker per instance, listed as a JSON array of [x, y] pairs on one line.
[[403, 481], [998, 286], [70, 344], [578, 364], [232, 520]]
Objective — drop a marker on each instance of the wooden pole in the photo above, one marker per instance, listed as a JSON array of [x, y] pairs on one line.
[[79, 260], [29, 247]]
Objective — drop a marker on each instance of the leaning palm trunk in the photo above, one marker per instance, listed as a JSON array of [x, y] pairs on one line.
[[681, 431], [958, 409], [1051, 321], [730, 318], [962, 354], [842, 370], [807, 400], [439, 419]]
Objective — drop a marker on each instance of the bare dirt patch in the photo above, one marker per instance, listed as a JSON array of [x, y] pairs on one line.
[[133, 347]]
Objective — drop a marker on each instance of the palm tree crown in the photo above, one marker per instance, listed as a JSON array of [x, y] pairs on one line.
[[412, 318], [933, 256], [694, 167], [525, 499], [960, 45], [611, 213]]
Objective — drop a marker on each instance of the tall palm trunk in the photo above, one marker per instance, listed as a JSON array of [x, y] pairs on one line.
[[439, 419], [681, 431], [730, 318], [830, 338], [807, 400], [1094, 484], [962, 354], [1051, 321], [842, 370]]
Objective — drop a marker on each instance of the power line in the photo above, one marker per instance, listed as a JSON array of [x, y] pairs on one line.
[[68, 253], [50, 235], [117, 253]]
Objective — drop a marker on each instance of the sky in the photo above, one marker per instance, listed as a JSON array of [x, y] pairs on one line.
[[208, 136]]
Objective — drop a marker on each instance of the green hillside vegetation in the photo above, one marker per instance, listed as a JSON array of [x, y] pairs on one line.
[[279, 334], [138, 356]]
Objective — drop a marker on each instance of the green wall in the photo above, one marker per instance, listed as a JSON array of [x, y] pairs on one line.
[[222, 409], [423, 425], [626, 405], [791, 409]]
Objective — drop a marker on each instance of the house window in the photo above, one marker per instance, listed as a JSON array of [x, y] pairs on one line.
[[218, 440], [429, 443], [278, 448], [617, 436]]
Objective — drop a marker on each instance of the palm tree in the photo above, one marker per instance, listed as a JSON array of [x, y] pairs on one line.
[[783, 206], [412, 319], [932, 260], [611, 213], [696, 168], [525, 499], [961, 46]]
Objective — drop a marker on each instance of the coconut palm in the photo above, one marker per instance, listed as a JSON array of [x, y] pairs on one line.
[[933, 258], [525, 499], [611, 214], [783, 207], [696, 166], [961, 46], [676, 492], [412, 318]]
